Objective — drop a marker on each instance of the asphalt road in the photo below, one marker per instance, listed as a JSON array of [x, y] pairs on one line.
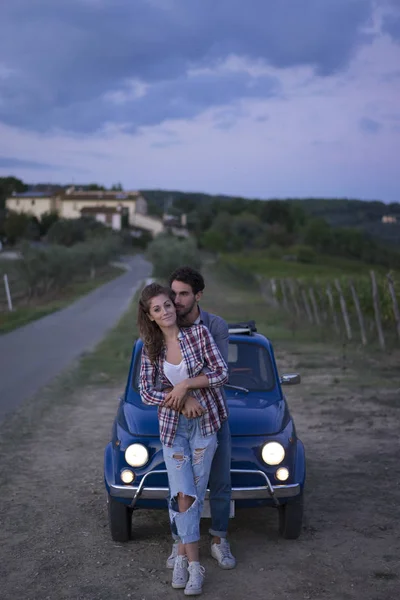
[[30, 357]]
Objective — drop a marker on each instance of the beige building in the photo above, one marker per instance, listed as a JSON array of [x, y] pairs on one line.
[[107, 207], [32, 203]]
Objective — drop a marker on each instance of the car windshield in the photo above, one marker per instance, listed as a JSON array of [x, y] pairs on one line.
[[249, 367]]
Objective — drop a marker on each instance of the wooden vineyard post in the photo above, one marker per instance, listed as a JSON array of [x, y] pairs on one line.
[[396, 311], [332, 308], [307, 305], [314, 305], [359, 313], [274, 290], [378, 320], [284, 297], [322, 303], [292, 288], [8, 293], [343, 307]]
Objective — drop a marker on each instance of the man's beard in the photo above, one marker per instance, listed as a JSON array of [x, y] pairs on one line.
[[182, 314]]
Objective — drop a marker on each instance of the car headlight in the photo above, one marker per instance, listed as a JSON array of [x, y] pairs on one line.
[[273, 453], [136, 455]]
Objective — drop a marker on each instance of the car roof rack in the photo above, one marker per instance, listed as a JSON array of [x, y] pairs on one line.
[[247, 327]]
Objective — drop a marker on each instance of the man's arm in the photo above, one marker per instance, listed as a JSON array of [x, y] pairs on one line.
[[220, 332]]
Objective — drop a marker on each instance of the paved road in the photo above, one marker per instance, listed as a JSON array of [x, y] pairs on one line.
[[34, 354]]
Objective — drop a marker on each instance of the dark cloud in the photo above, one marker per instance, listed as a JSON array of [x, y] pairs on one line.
[[370, 125], [64, 57]]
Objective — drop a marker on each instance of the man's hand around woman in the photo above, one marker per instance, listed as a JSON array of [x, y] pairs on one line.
[[178, 400], [192, 408], [176, 397]]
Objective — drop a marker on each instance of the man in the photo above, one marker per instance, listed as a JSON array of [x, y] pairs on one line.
[[188, 285]]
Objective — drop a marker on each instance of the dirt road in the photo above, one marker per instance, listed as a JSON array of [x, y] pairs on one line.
[[54, 538], [32, 355]]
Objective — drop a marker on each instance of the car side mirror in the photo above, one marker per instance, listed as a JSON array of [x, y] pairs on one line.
[[290, 379]]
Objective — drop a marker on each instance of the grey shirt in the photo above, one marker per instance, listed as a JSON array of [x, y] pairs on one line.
[[220, 332], [218, 329]]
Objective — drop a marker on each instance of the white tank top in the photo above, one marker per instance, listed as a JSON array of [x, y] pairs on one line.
[[175, 373]]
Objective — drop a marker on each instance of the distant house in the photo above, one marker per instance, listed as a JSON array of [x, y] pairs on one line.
[[32, 202], [108, 207], [389, 219], [112, 216]]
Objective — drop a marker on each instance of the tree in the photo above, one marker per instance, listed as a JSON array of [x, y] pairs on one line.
[[94, 187], [68, 232], [318, 234], [276, 212], [117, 187], [46, 221], [15, 226], [167, 253], [8, 185]]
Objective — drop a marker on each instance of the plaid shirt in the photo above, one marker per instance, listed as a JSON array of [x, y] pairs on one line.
[[198, 351]]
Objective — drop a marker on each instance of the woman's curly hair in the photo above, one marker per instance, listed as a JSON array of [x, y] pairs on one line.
[[149, 331]]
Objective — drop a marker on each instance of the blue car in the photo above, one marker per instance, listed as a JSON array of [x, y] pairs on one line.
[[268, 460]]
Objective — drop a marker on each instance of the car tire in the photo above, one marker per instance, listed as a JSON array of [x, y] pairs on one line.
[[291, 518], [119, 519]]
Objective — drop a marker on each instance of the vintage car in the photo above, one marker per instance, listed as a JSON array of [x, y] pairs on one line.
[[268, 460]]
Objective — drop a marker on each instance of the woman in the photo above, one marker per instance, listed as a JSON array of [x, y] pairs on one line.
[[190, 412]]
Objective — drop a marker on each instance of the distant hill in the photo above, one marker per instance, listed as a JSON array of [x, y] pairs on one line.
[[339, 212]]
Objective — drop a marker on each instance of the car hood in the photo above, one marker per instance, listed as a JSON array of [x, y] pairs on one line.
[[248, 415], [256, 416]]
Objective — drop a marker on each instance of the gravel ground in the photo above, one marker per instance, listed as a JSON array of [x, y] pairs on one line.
[[54, 537]]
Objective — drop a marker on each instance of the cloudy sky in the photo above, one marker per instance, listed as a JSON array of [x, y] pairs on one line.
[[270, 98]]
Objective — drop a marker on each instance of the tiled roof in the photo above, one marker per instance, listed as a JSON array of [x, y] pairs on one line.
[[118, 197], [31, 194]]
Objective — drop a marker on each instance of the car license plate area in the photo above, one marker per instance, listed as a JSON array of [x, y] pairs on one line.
[[206, 514]]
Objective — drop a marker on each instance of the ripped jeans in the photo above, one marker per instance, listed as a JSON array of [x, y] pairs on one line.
[[188, 464]]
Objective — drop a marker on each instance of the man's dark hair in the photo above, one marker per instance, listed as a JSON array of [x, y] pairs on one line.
[[189, 276]]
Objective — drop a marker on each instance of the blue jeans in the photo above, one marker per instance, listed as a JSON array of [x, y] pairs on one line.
[[220, 483], [188, 464]]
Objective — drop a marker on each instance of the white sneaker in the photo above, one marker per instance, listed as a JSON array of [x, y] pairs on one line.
[[171, 558], [223, 555], [180, 575], [194, 586]]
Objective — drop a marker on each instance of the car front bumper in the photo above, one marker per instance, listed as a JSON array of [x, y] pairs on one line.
[[143, 491]]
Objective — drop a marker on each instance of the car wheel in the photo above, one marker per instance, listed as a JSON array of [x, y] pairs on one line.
[[120, 520], [291, 518]]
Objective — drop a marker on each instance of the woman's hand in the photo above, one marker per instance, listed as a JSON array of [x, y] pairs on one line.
[[192, 408], [175, 399]]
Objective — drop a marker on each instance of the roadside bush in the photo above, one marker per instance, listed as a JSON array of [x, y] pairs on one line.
[[275, 252], [51, 268], [304, 254], [19, 226], [68, 232], [167, 253], [47, 220]]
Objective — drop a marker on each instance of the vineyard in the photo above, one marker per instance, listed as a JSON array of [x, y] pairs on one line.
[[360, 308]]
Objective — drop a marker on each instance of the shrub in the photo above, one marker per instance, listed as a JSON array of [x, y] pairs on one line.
[[51, 268], [16, 225], [168, 253], [275, 251], [304, 254], [68, 232]]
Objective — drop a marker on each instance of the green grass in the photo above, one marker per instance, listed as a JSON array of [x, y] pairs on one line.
[[325, 267], [24, 314]]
